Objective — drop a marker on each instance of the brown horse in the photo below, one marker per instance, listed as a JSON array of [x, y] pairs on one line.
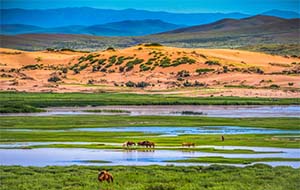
[[188, 144], [147, 144], [105, 176], [128, 144]]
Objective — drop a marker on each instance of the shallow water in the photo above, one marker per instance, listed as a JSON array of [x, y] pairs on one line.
[[173, 131], [174, 110], [78, 156]]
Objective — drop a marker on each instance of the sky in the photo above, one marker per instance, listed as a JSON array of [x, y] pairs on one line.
[[186, 6]]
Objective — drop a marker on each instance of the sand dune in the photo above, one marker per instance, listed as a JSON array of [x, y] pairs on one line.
[[231, 72]]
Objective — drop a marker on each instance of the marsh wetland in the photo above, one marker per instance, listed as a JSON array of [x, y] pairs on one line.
[[242, 138]]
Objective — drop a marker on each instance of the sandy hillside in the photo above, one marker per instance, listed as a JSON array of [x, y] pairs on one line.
[[152, 69]]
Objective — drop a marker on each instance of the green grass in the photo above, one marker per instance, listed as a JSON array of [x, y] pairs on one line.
[[92, 121], [259, 177], [96, 99], [121, 137], [18, 108], [222, 160]]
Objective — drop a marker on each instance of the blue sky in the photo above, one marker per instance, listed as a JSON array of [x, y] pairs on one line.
[[245, 6]]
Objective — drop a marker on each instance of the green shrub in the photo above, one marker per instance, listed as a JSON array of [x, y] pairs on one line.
[[130, 84], [54, 79], [183, 73], [152, 44], [165, 62], [203, 71], [144, 67], [142, 84], [274, 86], [183, 60], [212, 62]]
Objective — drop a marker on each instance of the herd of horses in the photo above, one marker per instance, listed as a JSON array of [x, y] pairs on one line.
[[106, 176], [146, 144]]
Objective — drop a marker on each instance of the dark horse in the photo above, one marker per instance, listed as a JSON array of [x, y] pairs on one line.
[[129, 143], [105, 176], [188, 144], [147, 144]]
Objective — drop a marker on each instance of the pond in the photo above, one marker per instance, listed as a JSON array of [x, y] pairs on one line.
[[176, 110], [79, 156]]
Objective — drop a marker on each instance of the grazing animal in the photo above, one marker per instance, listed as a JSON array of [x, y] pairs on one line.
[[105, 176], [223, 139], [188, 144], [147, 144], [129, 143]]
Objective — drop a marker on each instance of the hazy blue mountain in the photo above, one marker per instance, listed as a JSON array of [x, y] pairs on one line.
[[131, 28], [282, 14], [123, 28], [258, 21], [90, 16], [18, 29]]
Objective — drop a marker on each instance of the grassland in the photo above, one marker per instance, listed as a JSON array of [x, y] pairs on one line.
[[93, 121], [218, 159], [97, 99], [121, 137], [214, 177], [44, 124], [18, 108]]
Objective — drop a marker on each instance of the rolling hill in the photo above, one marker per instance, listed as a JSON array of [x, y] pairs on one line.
[[123, 28], [225, 33], [282, 14], [150, 67]]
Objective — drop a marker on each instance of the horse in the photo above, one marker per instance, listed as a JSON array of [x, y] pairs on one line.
[[105, 176], [222, 138], [128, 144], [150, 145], [188, 144], [147, 144]]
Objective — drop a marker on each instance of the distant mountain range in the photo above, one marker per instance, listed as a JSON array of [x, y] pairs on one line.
[[123, 28], [225, 33], [91, 16], [104, 22], [259, 23], [85, 16]]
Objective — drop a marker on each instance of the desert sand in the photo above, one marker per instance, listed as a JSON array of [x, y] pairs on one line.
[[238, 73]]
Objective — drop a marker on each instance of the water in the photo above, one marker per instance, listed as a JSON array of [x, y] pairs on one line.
[[64, 157], [209, 111], [174, 131]]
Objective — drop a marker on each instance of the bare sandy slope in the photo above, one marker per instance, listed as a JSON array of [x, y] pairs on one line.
[[233, 72]]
